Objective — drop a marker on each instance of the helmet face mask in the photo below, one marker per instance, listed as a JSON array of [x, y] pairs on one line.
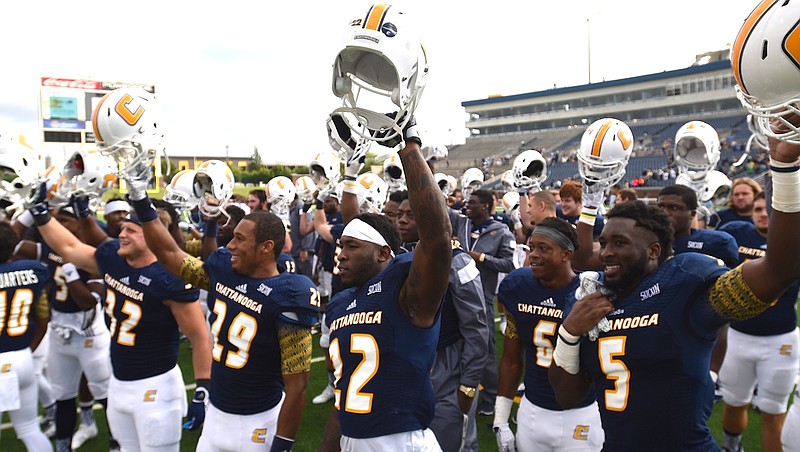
[[325, 169], [372, 193], [380, 69], [447, 184], [393, 173], [529, 169], [305, 188], [89, 173], [126, 126], [604, 152]]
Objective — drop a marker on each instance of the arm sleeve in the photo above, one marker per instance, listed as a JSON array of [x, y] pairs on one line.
[[732, 299], [295, 346], [193, 272]]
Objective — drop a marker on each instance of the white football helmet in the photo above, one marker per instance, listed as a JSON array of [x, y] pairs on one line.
[[372, 192], [180, 191], [529, 169], [18, 174], [325, 169], [447, 184], [393, 173], [54, 180], [605, 148], [305, 188], [381, 69], [435, 153], [696, 149], [471, 180], [126, 124], [89, 173], [765, 65], [280, 193], [714, 189], [213, 187]]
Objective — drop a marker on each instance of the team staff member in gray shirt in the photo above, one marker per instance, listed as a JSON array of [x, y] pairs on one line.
[[491, 244]]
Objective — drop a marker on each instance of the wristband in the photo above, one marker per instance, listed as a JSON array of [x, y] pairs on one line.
[[25, 219], [588, 215], [785, 186], [566, 355], [70, 272], [144, 209], [502, 410], [281, 444], [211, 229], [349, 186]]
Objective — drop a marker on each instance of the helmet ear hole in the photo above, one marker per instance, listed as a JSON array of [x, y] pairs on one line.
[[342, 86]]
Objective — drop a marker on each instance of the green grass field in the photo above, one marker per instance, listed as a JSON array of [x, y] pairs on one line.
[[314, 417]]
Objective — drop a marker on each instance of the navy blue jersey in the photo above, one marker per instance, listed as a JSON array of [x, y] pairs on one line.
[[326, 250], [781, 316], [537, 312], [382, 360], [652, 366], [286, 263], [726, 216], [21, 283], [144, 334], [58, 296], [713, 243], [244, 313]]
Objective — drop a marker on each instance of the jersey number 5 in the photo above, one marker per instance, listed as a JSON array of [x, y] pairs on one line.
[[608, 350]]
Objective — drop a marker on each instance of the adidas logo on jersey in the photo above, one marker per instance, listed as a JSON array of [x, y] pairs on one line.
[[351, 306], [549, 303], [144, 280], [617, 312], [242, 288], [126, 280]]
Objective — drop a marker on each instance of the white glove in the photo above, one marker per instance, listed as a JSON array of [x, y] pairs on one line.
[[70, 272], [137, 180], [355, 159], [505, 438], [590, 283], [593, 195], [515, 216], [184, 226], [323, 194]]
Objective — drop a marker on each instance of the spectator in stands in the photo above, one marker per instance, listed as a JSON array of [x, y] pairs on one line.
[[740, 206]]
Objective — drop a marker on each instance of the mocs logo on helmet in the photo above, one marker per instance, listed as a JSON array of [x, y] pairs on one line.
[[380, 70], [765, 59]]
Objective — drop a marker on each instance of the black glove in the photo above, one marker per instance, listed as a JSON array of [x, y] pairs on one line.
[[197, 409], [409, 133], [80, 204], [38, 205]]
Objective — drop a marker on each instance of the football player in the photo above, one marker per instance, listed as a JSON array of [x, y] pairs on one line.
[[23, 281], [534, 298], [462, 348], [146, 308], [651, 354], [261, 326]]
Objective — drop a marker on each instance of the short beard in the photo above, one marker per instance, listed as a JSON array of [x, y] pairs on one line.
[[632, 272]]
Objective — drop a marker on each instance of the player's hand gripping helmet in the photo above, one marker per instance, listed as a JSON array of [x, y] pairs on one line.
[[305, 188], [765, 65], [372, 193], [280, 193], [89, 173], [325, 169], [126, 124], [606, 146], [213, 186], [180, 191], [381, 69], [471, 180], [393, 173], [696, 149], [529, 169]]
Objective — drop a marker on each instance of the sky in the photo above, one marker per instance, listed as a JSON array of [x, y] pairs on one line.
[[246, 73]]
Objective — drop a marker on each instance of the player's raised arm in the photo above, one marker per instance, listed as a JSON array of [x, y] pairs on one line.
[[427, 280], [770, 276]]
